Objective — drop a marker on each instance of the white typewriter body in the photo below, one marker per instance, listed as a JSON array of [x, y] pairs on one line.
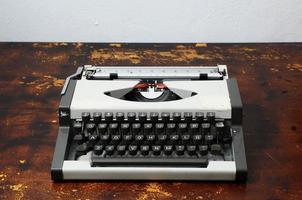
[[100, 89]]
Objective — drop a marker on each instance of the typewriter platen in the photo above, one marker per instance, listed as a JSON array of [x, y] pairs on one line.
[[150, 123]]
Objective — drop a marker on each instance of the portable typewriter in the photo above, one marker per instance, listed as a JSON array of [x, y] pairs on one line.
[[150, 123]]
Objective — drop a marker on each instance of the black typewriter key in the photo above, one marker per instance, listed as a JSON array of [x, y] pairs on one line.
[[127, 139], [199, 116], [203, 149], [125, 128], [165, 116], [174, 138], [102, 128], [108, 116], [156, 149], [188, 116], [113, 128], [92, 139], [209, 139], [136, 128], [85, 117], [142, 116], [215, 149], [180, 149], [168, 149], [109, 150], [211, 117], [197, 138], [185, 138], [90, 127], [176, 116], [205, 127], [182, 127], [132, 149], [159, 128], [162, 138], [144, 149], [148, 128], [115, 139], [150, 139], [104, 139], [81, 149], [78, 138], [131, 116], [119, 116], [194, 128], [77, 127], [219, 127], [154, 116], [191, 149], [121, 149], [98, 149], [171, 128], [97, 117], [139, 139]]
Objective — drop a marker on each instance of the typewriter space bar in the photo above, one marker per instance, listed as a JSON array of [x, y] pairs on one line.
[[158, 162]]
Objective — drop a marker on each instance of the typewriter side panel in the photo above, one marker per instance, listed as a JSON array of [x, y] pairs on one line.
[[237, 132], [61, 147]]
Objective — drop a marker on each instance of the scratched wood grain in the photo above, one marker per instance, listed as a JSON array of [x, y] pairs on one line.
[[270, 80]]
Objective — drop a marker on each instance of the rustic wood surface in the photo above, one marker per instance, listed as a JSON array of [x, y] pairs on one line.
[[270, 81]]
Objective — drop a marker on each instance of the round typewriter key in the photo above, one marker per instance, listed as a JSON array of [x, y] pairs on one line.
[[109, 150], [162, 138], [209, 139], [165, 116], [205, 127], [119, 116], [136, 127], [77, 127], [90, 127], [144, 149], [97, 117], [85, 117], [188, 116], [176, 116], [191, 149], [154, 116], [102, 128], [113, 128], [203, 149], [121, 149], [174, 138], [182, 127], [131, 116], [132, 149], [142, 116], [125, 128], [98, 149], [193, 128], [171, 128], [92, 140], [159, 128], [179, 149], [156, 150], [148, 128], [219, 127], [127, 139], [168, 149], [185, 138], [108, 116], [197, 139], [215, 149], [199, 116], [211, 117]]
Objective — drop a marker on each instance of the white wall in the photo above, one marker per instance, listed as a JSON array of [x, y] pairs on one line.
[[151, 20]]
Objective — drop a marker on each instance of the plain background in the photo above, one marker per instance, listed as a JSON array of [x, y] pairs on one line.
[[151, 20]]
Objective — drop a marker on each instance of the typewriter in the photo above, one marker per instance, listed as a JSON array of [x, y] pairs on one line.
[[150, 123]]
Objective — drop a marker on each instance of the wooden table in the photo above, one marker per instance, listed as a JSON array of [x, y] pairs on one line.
[[270, 81]]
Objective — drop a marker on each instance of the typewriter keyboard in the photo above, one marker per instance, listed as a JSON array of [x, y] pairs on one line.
[[161, 140]]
